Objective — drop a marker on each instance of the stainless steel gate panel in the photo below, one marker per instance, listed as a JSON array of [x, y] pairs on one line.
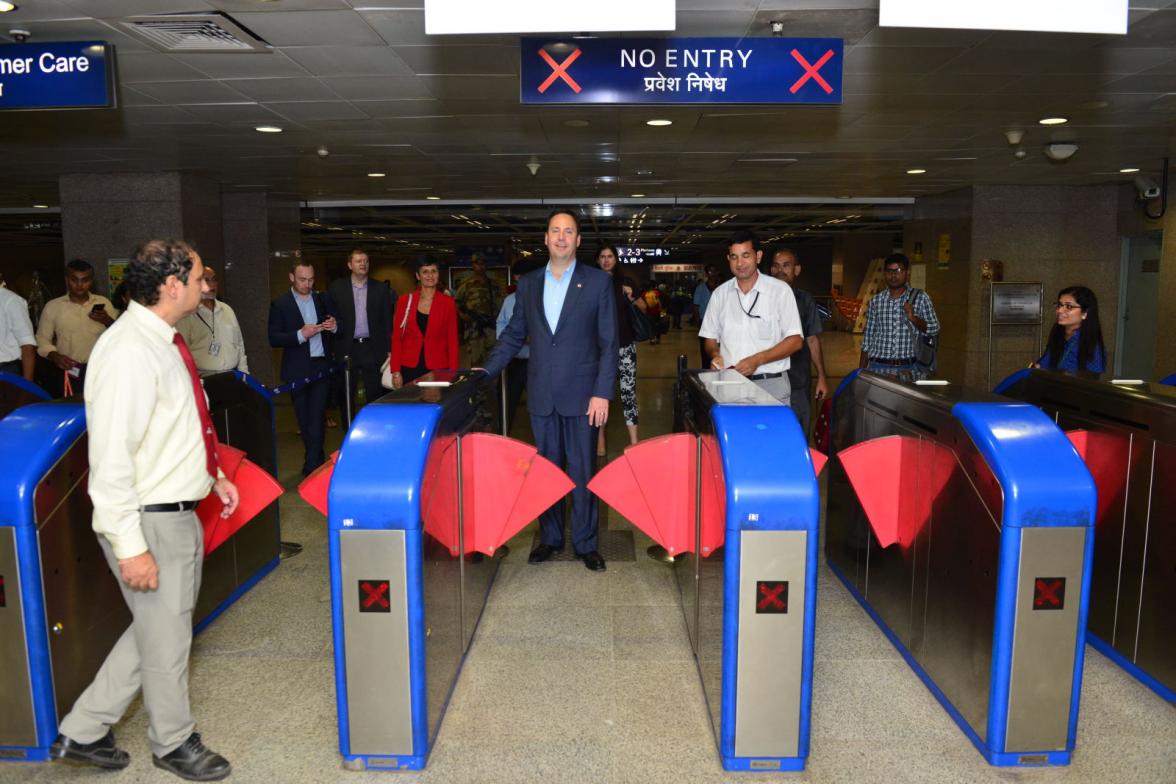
[[379, 689], [711, 576], [444, 643], [1045, 639], [1156, 639], [84, 608], [17, 724], [771, 646]]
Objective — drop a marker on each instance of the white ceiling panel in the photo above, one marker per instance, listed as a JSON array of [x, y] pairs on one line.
[[310, 28], [349, 61], [318, 110], [461, 59], [233, 65], [223, 114], [267, 90], [191, 92], [373, 88], [409, 107], [152, 67]]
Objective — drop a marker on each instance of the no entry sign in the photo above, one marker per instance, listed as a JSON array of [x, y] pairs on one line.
[[680, 70]]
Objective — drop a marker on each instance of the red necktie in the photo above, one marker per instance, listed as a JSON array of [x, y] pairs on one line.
[[207, 430]]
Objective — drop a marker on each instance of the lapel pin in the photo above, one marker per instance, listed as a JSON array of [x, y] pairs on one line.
[[579, 285]]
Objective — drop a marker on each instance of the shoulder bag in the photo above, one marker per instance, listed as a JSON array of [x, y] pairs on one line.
[[925, 345]]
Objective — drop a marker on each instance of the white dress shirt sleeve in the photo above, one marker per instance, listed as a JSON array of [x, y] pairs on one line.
[[711, 323], [117, 421]]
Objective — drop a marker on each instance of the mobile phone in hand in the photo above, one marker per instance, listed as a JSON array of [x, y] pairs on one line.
[[97, 308]]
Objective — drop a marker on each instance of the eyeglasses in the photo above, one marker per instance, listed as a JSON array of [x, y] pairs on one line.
[[1067, 306], [894, 270]]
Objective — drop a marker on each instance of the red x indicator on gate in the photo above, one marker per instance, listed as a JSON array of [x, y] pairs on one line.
[[811, 72], [771, 597], [559, 70], [373, 596], [1049, 593]]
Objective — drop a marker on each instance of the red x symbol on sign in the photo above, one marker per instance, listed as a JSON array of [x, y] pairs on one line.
[[373, 596], [771, 596], [810, 71], [559, 70], [1049, 593]]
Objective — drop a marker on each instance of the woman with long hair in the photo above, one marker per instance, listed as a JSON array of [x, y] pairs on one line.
[[424, 328], [1075, 342], [606, 259]]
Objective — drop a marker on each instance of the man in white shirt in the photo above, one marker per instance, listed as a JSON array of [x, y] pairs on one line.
[[213, 334], [751, 322], [70, 325], [18, 347], [152, 458]]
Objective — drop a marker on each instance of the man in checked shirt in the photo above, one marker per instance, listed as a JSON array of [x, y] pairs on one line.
[[894, 321]]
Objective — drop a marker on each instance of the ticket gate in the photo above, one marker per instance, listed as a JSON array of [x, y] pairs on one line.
[[735, 501], [418, 507], [961, 522], [1127, 435], [15, 392], [60, 607]]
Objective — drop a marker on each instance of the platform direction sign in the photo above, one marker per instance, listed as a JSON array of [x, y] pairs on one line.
[[640, 71], [57, 75]]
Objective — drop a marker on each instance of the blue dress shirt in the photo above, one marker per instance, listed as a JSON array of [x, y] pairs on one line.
[[306, 308], [555, 292]]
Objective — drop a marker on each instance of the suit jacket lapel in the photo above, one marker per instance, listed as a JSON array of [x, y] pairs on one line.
[[575, 286], [539, 303]]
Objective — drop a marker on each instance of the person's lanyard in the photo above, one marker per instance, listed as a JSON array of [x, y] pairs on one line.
[[747, 311], [212, 326]]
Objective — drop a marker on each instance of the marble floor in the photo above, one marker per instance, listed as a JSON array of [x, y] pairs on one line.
[[575, 676]]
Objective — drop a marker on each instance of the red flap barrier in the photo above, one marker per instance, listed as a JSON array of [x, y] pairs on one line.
[[652, 485], [439, 493], [314, 487], [897, 479], [819, 460], [256, 488], [1108, 458], [712, 528], [506, 485]]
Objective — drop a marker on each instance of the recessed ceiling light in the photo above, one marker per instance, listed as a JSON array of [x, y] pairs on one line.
[[1053, 121], [638, 195], [916, 171], [46, 206], [433, 198], [376, 174], [268, 129], [576, 123], [1128, 170], [644, 172], [659, 123], [5, 7]]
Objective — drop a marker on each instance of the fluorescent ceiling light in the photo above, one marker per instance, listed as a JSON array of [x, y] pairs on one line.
[[1128, 170], [376, 174], [638, 195], [5, 7], [46, 206], [659, 123], [1053, 121], [1050, 16], [433, 198], [268, 129], [448, 17], [916, 171]]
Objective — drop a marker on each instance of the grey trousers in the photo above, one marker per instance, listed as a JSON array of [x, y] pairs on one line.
[[153, 653], [779, 388]]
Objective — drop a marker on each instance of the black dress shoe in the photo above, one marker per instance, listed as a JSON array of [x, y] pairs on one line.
[[193, 761], [542, 553], [592, 560], [101, 752]]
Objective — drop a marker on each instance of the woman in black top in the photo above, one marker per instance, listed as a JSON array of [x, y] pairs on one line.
[[606, 259]]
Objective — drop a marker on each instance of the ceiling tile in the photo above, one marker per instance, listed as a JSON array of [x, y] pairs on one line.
[[241, 65], [310, 28], [134, 67], [372, 88], [317, 110], [268, 90], [461, 59], [349, 61], [190, 92]]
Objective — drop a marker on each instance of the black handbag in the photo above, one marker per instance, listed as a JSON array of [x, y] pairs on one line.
[[643, 328], [926, 345]]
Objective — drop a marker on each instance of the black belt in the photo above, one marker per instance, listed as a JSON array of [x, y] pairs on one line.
[[174, 506], [895, 362], [762, 376], [360, 340]]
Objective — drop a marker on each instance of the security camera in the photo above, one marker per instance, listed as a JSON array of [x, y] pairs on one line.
[[1060, 151], [1147, 187], [322, 151], [20, 36]]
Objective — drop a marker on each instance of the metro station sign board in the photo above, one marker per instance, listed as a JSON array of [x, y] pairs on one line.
[[681, 70], [57, 75]]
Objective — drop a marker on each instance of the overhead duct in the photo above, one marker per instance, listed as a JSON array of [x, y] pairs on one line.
[[193, 33]]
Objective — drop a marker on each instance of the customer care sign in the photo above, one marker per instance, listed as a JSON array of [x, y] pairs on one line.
[[680, 70], [57, 75]]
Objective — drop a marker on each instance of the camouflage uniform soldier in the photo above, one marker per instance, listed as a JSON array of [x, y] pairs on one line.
[[478, 300]]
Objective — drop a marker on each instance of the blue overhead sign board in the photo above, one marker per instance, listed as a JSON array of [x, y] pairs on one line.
[[680, 70], [57, 75]]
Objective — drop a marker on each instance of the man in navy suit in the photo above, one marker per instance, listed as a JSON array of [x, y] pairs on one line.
[[301, 323], [569, 312]]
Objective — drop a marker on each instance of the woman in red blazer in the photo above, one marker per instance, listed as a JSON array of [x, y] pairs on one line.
[[424, 329]]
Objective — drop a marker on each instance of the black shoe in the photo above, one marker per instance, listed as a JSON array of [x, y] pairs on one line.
[[101, 752], [592, 560], [542, 553], [194, 762]]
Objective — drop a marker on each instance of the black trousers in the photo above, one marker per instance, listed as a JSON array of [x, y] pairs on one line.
[[366, 360], [516, 382], [310, 406]]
